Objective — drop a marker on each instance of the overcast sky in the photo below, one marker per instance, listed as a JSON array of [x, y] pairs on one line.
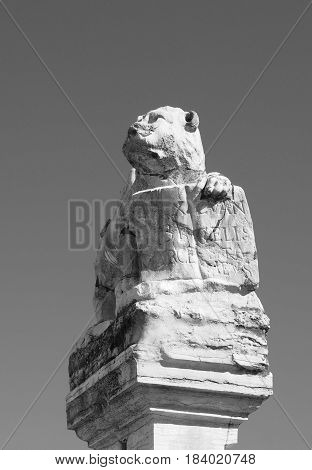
[[118, 59]]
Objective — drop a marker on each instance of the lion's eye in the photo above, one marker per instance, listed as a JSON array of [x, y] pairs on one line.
[[154, 117]]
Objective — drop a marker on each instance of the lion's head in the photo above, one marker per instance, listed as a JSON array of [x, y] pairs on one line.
[[165, 141]]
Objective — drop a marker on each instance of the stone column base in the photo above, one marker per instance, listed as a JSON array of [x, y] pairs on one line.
[[165, 429], [131, 403]]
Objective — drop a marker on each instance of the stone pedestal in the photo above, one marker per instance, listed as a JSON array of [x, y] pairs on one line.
[[131, 389]]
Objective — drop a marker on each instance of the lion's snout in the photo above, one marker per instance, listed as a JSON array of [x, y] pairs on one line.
[[132, 131]]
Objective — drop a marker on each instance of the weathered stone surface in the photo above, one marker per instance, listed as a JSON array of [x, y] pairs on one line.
[[180, 343]]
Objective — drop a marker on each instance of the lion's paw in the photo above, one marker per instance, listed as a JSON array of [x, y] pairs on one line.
[[217, 186]]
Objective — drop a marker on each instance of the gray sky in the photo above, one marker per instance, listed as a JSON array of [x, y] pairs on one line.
[[117, 60]]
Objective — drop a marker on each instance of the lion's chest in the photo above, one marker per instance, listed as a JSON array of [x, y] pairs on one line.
[[164, 234]]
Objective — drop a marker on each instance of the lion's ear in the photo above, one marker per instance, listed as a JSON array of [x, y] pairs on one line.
[[192, 121]]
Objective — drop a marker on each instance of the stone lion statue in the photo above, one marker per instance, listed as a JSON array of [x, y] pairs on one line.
[[179, 324], [177, 225]]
